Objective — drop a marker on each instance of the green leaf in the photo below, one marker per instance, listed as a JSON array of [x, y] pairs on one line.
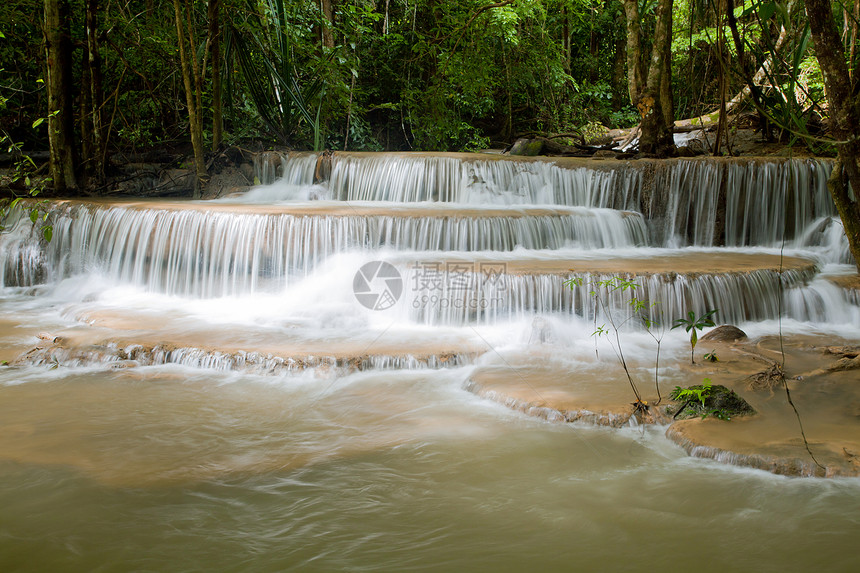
[[766, 10], [38, 122], [48, 232]]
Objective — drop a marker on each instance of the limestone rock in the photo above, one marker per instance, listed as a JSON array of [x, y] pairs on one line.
[[526, 147], [716, 400], [724, 333]]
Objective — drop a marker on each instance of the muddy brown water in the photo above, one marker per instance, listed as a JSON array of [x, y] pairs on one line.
[[202, 462]]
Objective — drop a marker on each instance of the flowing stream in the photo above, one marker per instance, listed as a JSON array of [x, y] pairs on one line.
[[280, 380]]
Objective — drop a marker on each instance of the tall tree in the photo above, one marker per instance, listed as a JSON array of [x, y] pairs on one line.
[[93, 96], [844, 102], [214, 41], [192, 80], [58, 55], [649, 85], [326, 32]]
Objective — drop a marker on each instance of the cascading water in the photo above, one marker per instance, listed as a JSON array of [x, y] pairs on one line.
[[538, 210], [288, 369], [216, 252]]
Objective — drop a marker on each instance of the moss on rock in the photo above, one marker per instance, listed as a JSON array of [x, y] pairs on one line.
[[704, 400]]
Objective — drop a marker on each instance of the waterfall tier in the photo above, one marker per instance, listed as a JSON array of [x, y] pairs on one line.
[[474, 239], [703, 202], [741, 287], [217, 249]]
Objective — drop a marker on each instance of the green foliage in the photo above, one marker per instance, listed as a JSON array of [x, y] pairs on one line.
[[264, 54], [694, 323], [23, 176], [698, 393], [401, 75], [707, 399]]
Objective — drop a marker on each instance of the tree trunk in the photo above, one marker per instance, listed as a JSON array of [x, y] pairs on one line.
[[722, 123], [214, 12], [656, 136], [634, 50], [326, 34], [565, 38], [593, 48], [618, 66], [191, 100], [667, 102], [61, 133], [94, 158], [852, 52], [844, 119]]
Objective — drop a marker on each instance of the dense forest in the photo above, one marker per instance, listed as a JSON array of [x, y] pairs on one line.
[[395, 74], [88, 78]]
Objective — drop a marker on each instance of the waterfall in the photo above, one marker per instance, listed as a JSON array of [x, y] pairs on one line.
[[483, 298], [826, 237], [257, 363], [437, 208], [771, 201], [408, 179], [732, 202], [290, 168], [753, 203], [208, 253]]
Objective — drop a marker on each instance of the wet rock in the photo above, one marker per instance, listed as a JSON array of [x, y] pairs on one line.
[[704, 400], [788, 465], [843, 351], [604, 154], [322, 171], [526, 147], [849, 360], [845, 364], [724, 333], [247, 171], [230, 180], [271, 160]]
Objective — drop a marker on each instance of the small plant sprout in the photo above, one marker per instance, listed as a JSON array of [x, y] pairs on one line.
[[693, 393], [711, 356], [602, 294], [692, 324]]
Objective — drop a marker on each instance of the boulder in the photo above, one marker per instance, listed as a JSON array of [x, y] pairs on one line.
[[526, 147], [724, 333], [703, 400]]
